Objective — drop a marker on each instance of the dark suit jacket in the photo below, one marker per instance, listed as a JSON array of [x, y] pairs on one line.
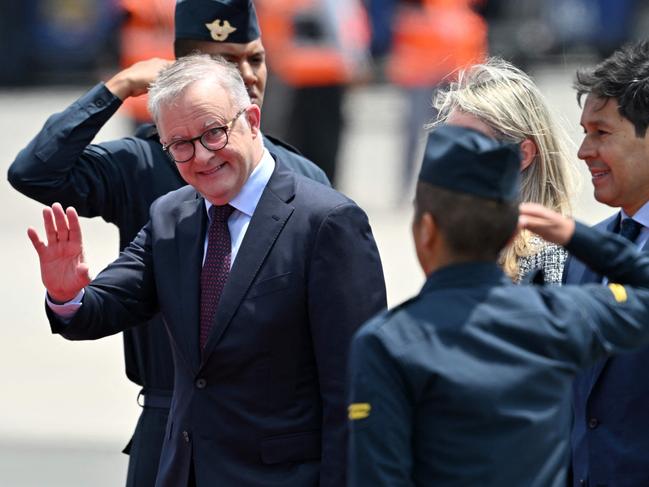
[[264, 403], [610, 432]]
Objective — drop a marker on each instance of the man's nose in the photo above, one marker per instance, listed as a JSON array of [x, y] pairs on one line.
[[201, 154], [586, 149], [247, 73]]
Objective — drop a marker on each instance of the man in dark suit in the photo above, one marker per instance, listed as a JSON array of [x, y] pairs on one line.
[[469, 382], [259, 361], [610, 433], [119, 179]]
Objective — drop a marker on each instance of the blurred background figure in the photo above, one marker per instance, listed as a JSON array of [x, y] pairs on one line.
[[56, 41], [526, 31], [419, 44], [147, 32], [315, 48]]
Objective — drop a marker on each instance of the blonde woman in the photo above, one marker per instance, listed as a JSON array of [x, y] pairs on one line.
[[502, 101]]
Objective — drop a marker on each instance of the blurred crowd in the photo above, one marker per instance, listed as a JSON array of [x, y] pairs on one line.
[[326, 46], [71, 40]]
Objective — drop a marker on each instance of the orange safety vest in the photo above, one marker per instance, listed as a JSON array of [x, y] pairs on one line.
[[148, 32], [301, 61], [434, 41]]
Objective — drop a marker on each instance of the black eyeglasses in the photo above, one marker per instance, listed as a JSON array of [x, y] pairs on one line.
[[213, 139]]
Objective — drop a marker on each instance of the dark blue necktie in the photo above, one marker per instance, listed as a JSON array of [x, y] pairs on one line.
[[629, 228], [215, 268]]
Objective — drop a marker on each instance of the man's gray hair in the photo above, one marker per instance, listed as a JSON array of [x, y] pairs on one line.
[[173, 80]]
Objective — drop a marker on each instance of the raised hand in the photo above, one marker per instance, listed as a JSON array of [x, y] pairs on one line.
[[63, 268], [547, 224], [135, 80]]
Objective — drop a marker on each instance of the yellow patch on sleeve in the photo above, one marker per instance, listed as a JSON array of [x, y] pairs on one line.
[[360, 410], [619, 293]]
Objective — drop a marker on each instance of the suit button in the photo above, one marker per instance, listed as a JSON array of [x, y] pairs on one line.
[[200, 383], [186, 436], [593, 423], [582, 482]]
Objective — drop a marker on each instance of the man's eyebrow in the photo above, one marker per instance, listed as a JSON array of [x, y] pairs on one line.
[[214, 121], [599, 121]]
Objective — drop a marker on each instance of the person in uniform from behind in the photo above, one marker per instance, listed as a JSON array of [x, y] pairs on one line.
[[469, 382]]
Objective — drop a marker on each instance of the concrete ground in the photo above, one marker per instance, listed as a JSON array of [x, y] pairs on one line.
[[67, 409]]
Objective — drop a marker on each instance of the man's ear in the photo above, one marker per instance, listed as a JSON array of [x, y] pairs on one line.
[[425, 235], [428, 229], [528, 153], [253, 116]]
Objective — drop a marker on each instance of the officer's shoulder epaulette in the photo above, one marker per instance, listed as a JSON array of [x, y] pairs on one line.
[[146, 131], [283, 144]]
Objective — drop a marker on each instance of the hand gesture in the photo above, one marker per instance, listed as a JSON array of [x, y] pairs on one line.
[[547, 224], [63, 268], [135, 80]]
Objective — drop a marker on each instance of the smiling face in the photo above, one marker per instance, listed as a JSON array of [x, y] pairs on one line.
[[249, 58], [617, 159], [220, 175]]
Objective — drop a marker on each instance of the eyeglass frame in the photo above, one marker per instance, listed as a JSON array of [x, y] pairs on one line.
[[226, 129]]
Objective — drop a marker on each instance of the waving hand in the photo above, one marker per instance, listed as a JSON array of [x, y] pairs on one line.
[[63, 268]]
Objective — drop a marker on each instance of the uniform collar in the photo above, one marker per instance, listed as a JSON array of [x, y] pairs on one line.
[[470, 274]]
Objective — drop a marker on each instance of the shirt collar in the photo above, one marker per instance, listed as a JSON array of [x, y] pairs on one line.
[[641, 216], [246, 200]]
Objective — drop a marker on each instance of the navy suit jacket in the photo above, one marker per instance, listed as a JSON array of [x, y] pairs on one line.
[[264, 403], [610, 432]]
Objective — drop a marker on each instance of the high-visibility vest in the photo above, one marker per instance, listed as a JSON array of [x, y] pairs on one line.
[[435, 40], [312, 43], [147, 32]]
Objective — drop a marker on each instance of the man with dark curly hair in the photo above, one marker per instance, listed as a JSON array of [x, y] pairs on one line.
[[610, 433]]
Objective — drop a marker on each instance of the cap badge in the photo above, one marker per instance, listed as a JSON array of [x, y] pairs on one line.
[[220, 29]]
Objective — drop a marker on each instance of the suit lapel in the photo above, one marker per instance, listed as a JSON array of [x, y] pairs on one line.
[[190, 232], [268, 220], [610, 225]]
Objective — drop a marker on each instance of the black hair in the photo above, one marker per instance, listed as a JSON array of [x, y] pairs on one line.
[[624, 76], [185, 47], [474, 228]]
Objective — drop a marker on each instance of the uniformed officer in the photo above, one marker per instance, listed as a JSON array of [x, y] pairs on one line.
[[118, 181], [469, 382]]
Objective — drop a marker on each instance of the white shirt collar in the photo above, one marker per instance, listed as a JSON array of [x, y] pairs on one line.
[[246, 200]]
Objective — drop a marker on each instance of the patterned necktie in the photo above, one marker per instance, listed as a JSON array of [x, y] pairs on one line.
[[629, 228], [215, 268]]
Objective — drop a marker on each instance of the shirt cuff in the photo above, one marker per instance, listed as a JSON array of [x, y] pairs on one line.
[[67, 310]]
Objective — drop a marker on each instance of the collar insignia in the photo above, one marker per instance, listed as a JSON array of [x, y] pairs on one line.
[[220, 29]]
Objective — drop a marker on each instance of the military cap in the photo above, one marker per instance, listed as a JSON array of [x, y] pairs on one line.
[[217, 21], [467, 161]]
